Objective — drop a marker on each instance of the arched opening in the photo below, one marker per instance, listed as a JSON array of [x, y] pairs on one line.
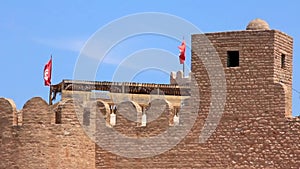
[[104, 108], [130, 113], [160, 111]]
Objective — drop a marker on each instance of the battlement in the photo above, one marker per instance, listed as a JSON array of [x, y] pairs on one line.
[[240, 86], [178, 78]]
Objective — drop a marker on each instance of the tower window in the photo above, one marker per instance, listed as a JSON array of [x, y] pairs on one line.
[[86, 117], [58, 115], [233, 58], [282, 61]]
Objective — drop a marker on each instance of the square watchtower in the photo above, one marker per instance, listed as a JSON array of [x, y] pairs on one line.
[[257, 66]]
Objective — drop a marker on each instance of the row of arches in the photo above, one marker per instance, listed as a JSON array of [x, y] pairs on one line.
[[141, 114]]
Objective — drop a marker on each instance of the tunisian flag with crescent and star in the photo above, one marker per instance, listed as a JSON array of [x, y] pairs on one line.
[[47, 72], [182, 52]]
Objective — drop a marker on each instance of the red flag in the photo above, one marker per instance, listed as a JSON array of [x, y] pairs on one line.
[[47, 72], [182, 52]]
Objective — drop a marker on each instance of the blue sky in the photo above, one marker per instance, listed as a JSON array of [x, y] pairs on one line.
[[30, 31]]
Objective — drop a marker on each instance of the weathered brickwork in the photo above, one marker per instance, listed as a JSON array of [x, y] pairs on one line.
[[255, 129], [39, 142]]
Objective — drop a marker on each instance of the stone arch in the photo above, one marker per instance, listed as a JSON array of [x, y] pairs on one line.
[[159, 106], [105, 110], [125, 109], [282, 94]]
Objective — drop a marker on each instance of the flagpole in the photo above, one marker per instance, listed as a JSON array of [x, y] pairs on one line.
[[50, 88], [183, 69], [182, 54], [183, 62], [50, 95]]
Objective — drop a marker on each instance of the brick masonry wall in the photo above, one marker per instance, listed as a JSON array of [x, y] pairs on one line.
[[283, 45], [39, 143], [255, 131], [8, 151]]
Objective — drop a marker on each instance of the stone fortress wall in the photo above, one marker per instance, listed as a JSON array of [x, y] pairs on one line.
[[256, 130], [36, 141]]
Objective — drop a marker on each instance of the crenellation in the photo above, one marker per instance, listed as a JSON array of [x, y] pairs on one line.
[[255, 130], [36, 111], [179, 78]]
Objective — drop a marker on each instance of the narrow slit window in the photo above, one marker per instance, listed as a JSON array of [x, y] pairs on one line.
[[58, 116], [86, 117], [282, 61], [233, 59]]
